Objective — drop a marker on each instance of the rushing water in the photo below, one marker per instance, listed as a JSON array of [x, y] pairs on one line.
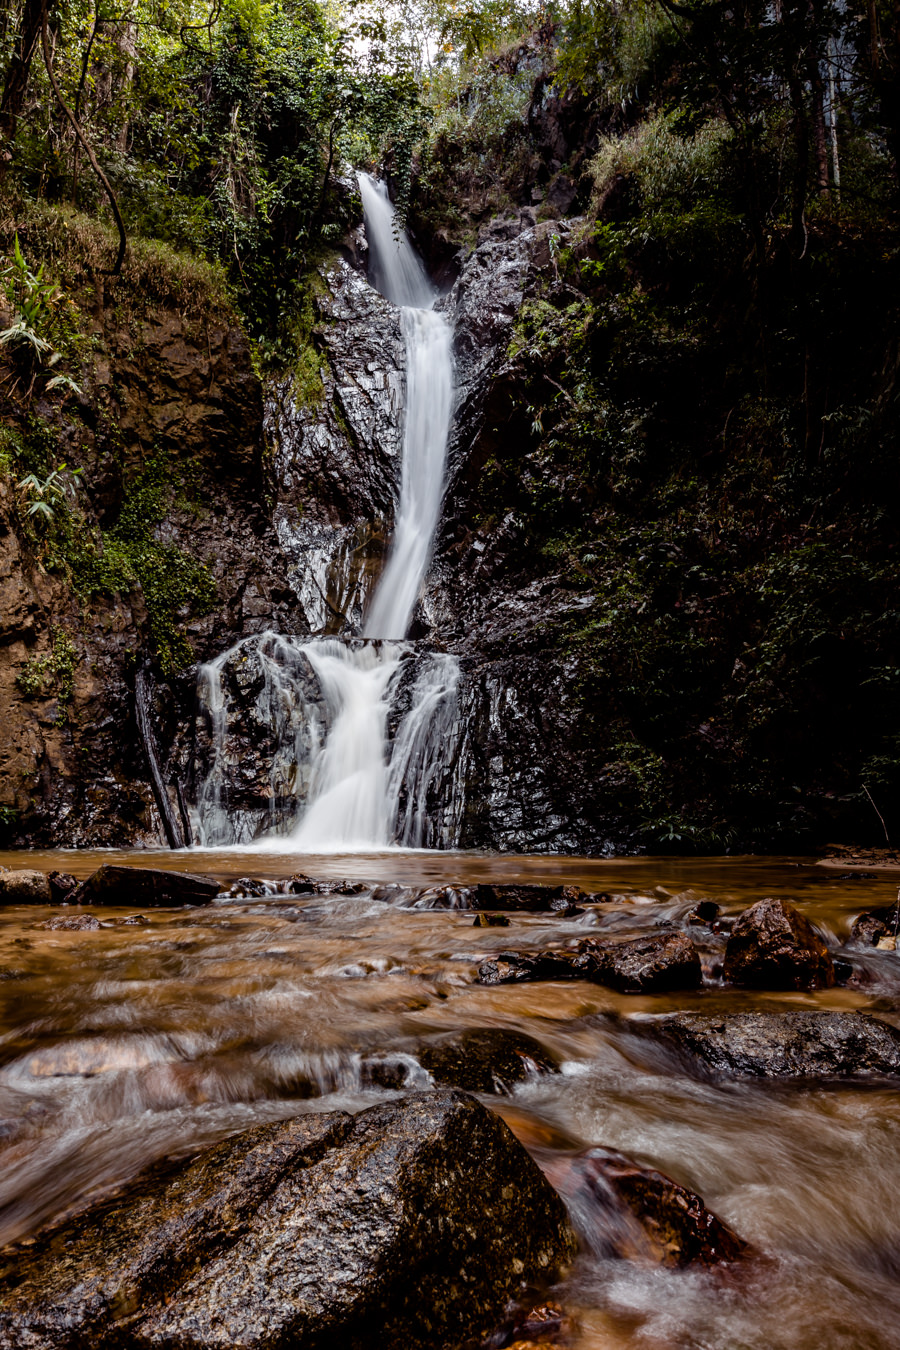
[[135, 1041], [344, 779]]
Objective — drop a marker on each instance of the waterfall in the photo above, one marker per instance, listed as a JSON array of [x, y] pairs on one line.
[[359, 791]]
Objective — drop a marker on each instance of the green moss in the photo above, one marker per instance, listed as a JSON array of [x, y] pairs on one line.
[[52, 674], [173, 583]]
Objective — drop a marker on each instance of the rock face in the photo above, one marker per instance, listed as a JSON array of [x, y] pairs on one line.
[[168, 384], [772, 946], [484, 1059], [26, 887], [784, 1045], [645, 965], [143, 886], [408, 1224], [640, 1214], [337, 453]]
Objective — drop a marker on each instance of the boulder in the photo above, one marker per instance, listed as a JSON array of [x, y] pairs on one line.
[[61, 885], [640, 1214], [484, 1059], [483, 919], [705, 913], [784, 1045], [410, 1223], [523, 967], [145, 887], [773, 946], [25, 887], [874, 924], [645, 965], [246, 887]]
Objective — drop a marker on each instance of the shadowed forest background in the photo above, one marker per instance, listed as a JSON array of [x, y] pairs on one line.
[[694, 427]]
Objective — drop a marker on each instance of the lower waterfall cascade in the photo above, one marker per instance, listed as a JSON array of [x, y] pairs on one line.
[[337, 781]]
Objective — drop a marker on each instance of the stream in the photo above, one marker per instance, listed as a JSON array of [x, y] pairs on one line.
[[143, 1039]]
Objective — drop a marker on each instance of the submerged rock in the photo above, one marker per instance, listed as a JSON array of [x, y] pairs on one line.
[[25, 887], [72, 923], [784, 1045], [411, 1224], [485, 920], [145, 886], [773, 946], [484, 1059], [640, 1214]]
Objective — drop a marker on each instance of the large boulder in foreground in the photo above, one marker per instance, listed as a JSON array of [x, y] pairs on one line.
[[25, 887], [784, 1045], [145, 887], [773, 946], [409, 1224]]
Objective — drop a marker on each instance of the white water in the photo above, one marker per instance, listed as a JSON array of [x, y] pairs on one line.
[[356, 786]]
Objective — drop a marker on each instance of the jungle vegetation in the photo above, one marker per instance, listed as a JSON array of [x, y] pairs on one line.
[[703, 390]]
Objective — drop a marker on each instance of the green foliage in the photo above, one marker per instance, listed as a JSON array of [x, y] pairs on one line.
[[42, 494], [52, 675], [174, 584]]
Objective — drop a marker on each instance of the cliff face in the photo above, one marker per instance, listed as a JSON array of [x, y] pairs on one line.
[[164, 549]]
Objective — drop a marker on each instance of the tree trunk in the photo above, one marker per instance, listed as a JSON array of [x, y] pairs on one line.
[[16, 86]]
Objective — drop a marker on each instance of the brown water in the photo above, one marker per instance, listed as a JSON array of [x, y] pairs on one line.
[[130, 1042]]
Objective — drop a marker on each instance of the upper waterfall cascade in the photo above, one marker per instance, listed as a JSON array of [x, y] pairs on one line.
[[352, 788]]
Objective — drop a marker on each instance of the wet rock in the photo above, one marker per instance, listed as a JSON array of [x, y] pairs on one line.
[[640, 1214], [784, 1045], [392, 894], [61, 885], [843, 970], [642, 965], [484, 1059], [132, 921], [522, 967], [705, 913], [565, 905], [486, 920], [410, 1223], [298, 884], [248, 886], [25, 887], [145, 886], [528, 1322], [444, 897], [773, 946], [532, 899], [874, 924], [71, 923], [645, 965]]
